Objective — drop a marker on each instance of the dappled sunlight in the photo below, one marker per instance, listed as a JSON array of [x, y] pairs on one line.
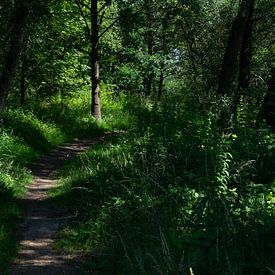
[[41, 218], [137, 137]]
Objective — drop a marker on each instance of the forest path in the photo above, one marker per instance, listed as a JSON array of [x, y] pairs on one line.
[[42, 219]]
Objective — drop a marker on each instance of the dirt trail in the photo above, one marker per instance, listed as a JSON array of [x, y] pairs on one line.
[[41, 219]]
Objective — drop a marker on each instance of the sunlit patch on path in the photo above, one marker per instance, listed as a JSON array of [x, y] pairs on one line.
[[42, 219]]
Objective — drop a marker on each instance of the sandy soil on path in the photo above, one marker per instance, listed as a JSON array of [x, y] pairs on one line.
[[41, 219]]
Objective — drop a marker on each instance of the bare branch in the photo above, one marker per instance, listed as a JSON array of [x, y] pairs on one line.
[[78, 48], [109, 27], [85, 5], [102, 8], [63, 13], [111, 18], [84, 17], [101, 18]]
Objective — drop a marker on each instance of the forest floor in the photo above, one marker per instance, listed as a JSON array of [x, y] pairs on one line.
[[42, 219]]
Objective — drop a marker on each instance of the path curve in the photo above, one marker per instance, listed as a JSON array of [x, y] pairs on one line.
[[41, 219]]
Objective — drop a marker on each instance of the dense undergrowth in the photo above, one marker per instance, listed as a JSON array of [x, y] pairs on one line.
[[26, 134], [23, 137], [173, 195]]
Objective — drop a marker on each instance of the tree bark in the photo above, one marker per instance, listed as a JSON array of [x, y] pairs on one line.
[[16, 46], [229, 64], [245, 59], [22, 85], [268, 107], [246, 51], [148, 82], [96, 111], [149, 38], [161, 81], [23, 75]]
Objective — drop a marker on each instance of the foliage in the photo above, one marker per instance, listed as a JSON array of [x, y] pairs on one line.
[[172, 195], [188, 188], [36, 133], [23, 137], [26, 134], [13, 178]]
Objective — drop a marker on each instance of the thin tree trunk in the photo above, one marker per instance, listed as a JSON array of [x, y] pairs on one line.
[[229, 65], [16, 45], [246, 51], [245, 59], [22, 85], [96, 111], [149, 83], [268, 108], [23, 76], [149, 38], [161, 80]]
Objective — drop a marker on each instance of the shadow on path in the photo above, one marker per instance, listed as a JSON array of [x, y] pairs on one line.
[[42, 219]]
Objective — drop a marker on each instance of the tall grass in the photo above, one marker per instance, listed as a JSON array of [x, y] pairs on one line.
[[173, 196], [72, 113], [13, 177], [23, 137], [26, 134]]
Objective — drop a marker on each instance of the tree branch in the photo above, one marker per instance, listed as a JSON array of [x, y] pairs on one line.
[[84, 17], [101, 18], [102, 8], [85, 5], [78, 48], [63, 13], [109, 27]]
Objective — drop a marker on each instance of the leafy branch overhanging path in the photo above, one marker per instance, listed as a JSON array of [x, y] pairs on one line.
[[42, 219]]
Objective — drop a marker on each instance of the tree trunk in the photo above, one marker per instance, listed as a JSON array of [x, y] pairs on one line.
[[23, 76], [229, 65], [161, 80], [22, 85], [268, 107], [246, 51], [96, 111], [149, 38], [148, 82], [16, 45], [245, 59]]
